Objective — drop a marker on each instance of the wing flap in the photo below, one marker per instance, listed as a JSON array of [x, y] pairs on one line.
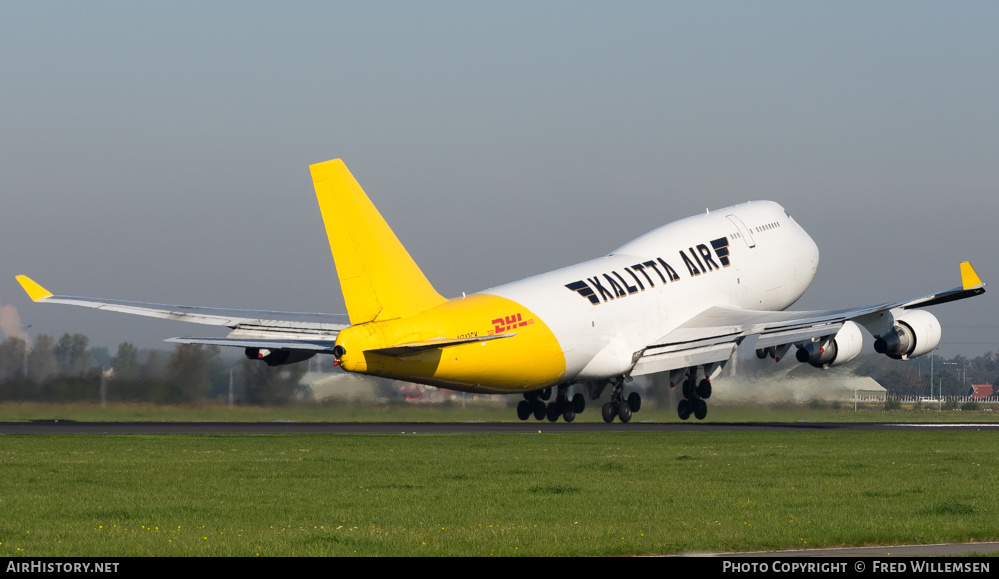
[[797, 335], [653, 363]]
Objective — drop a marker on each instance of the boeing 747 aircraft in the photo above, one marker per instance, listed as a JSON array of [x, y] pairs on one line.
[[678, 300]]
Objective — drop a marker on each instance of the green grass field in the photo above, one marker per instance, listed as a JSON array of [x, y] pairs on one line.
[[520, 494]]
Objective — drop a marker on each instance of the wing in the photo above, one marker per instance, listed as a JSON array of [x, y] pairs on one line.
[[713, 335], [250, 328]]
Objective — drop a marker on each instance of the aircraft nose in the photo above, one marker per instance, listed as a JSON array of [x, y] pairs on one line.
[[812, 254]]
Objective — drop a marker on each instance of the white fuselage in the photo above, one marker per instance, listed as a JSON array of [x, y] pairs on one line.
[[605, 310]]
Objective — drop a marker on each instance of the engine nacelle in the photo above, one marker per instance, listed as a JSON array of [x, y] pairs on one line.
[[278, 357], [916, 332], [841, 349]]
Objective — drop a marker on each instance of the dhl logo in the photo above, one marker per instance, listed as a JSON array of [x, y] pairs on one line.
[[507, 323]]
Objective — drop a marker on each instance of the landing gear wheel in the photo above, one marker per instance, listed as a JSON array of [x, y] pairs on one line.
[[552, 412], [704, 389], [569, 415], [608, 412], [539, 409], [634, 401], [687, 390], [545, 394], [578, 403], [524, 410], [700, 409], [683, 409], [624, 413]]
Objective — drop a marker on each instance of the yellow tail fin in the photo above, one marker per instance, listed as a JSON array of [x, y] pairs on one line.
[[379, 279]]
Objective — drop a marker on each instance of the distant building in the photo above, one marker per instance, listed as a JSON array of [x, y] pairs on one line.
[[340, 385], [981, 391], [796, 383]]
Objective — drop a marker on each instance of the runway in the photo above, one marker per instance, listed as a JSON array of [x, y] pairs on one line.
[[938, 550], [71, 427]]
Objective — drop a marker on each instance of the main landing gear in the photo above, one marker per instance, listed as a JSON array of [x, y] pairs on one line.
[[694, 395], [537, 403], [620, 406], [534, 404]]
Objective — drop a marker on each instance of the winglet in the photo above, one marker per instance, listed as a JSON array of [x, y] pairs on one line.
[[34, 291], [969, 278]]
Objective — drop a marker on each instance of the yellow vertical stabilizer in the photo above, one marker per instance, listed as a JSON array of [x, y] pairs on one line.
[[379, 279]]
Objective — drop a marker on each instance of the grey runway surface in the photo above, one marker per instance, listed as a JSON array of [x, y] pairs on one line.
[[939, 550], [71, 427]]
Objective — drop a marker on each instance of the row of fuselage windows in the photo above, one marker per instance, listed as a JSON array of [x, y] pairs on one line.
[[760, 229], [768, 226]]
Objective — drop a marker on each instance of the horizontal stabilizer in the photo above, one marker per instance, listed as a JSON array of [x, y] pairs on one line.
[[410, 348], [307, 345]]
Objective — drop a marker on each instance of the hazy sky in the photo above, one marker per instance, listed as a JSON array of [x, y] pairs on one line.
[[160, 151]]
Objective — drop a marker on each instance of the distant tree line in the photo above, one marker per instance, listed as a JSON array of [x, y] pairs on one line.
[[68, 371], [951, 377]]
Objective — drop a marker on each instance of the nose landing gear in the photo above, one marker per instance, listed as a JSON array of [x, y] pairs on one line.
[[619, 406]]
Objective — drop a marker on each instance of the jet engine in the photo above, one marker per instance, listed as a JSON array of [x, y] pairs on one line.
[[845, 346], [278, 357], [916, 332]]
